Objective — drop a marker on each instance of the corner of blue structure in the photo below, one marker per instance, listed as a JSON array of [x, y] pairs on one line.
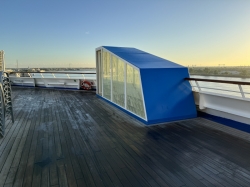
[[227, 122], [167, 95]]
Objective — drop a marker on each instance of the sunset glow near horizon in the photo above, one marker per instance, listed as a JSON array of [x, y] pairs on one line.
[[64, 33]]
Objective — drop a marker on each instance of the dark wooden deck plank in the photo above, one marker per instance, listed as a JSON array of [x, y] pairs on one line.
[[190, 159], [65, 163], [54, 148], [9, 167], [14, 153], [213, 159], [73, 138], [20, 174]]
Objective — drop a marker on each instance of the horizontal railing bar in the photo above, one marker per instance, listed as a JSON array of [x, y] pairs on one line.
[[219, 81], [221, 89], [52, 72]]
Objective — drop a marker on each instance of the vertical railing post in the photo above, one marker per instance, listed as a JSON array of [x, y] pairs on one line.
[[198, 85], [241, 91], [193, 87]]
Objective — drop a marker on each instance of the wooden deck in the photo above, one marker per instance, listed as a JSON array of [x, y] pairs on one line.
[[73, 138]]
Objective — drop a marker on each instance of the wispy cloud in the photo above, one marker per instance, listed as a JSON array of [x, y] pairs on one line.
[[87, 32]]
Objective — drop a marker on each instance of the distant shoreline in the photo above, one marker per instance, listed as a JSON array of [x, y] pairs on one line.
[[233, 76]]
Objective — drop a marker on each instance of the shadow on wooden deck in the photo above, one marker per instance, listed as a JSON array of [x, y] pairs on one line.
[[73, 138]]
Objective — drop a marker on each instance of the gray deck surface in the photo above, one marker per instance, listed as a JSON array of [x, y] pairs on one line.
[[73, 138]]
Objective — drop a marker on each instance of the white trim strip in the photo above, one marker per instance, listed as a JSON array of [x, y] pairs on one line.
[[145, 111], [125, 85]]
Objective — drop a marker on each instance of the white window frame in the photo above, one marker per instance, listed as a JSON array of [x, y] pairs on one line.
[[125, 83]]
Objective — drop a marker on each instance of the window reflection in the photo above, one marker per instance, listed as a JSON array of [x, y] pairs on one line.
[[118, 81], [134, 92], [134, 98], [106, 76]]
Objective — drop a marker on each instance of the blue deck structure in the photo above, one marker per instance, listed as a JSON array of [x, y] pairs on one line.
[[148, 87]]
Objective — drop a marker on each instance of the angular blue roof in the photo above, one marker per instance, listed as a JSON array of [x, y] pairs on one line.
[[141, 59]]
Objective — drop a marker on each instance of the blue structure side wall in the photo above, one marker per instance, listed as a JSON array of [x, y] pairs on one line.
[[168, 97], [150, 122]]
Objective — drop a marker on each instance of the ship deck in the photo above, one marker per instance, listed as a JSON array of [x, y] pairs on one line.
[[73, 138]]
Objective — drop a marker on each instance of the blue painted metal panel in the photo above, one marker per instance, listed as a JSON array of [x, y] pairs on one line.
[[122, 49], [168, 97], [142, 59], [224, 121]]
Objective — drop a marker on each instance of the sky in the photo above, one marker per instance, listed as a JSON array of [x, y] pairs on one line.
[[65, 33]]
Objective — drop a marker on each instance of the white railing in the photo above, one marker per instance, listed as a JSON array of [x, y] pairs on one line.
[[227, 99], [56, 74], [222, 87], [70, 80]]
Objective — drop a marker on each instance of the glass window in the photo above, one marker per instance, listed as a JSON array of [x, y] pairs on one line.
[[106, 76], [134, 92], [118, 81]]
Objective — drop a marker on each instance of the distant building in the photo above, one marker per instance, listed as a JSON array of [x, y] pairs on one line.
[[2, 66]]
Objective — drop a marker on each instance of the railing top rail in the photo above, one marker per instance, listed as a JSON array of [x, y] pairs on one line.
[[218, 81], [58, 72]]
